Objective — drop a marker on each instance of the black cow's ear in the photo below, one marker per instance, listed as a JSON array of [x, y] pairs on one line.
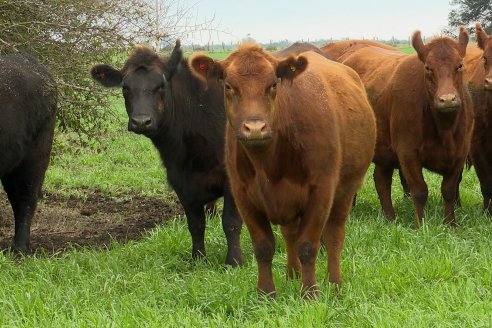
[[291, 67], [174, 61], [106, 75], [205, 68]]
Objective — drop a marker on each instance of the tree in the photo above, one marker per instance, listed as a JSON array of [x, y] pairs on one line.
[[70, 36], [468, 12]]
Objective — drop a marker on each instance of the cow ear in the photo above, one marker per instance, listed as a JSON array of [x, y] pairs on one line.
[[174, 61], [291, 67], [481, 36], [463, 40], [205, 68], [419, 46], [106, 75]]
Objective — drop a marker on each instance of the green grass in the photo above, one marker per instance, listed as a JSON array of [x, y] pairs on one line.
[[394, 275]]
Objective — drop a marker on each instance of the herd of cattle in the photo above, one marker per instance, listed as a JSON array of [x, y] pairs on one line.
[[286, 138]]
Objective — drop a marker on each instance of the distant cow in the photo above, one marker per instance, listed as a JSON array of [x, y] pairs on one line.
[[423, 114], [478, 73], [296, 152], [28, 99], [185, 120], [300, 47], [338, 48]]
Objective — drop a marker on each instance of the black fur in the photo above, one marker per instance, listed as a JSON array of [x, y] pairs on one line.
[[188, 132], [28, 99]]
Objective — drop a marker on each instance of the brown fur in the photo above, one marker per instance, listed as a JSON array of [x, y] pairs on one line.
[[478, 63], [337, 49], [318, 141], [412, 132]]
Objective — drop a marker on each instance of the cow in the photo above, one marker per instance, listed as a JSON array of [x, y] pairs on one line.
[[478, 74], [299, 47], [423, 114], [28, 102], [338, 48], [185, 120], [299, 139]]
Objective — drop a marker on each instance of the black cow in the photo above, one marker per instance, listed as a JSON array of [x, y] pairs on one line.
[[28, 99], [186, 122]]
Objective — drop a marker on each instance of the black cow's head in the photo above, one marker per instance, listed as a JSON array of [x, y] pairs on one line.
[[144, 80]]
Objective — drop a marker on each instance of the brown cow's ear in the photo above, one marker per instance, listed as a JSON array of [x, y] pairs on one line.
[[291, 67], [463, 40], [481, 36], [106, 75], [419, 46], [205, 68]]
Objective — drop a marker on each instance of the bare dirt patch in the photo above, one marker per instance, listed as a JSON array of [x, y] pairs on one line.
[[93, 221]]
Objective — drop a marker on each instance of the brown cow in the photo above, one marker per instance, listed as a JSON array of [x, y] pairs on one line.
[[296, 153], [478, 74], [338, 48], [423, 114]]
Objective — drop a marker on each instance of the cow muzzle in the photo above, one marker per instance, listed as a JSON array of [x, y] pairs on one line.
[[488, 84], [142, 124], [254, 131], [448, 103]]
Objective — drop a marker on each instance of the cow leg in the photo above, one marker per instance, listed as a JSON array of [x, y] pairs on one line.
[[195, 217], [231, 224], [383, 177], [290, 233], [334, 236], [310, 230], [23, 186], [404, 184], [264, 248], [484, 174], [412, 170], [449, 186], [23, 198]]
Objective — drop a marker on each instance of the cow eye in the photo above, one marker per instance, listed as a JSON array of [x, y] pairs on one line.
[[484, 60], [228, 87], [459, 68], [428, 69]]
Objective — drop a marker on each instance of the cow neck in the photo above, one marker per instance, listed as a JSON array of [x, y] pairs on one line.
[[446, 125], [188, 113], [488, 106], [275, 158]]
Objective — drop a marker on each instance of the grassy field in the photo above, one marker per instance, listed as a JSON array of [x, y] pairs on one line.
[[394, 275]]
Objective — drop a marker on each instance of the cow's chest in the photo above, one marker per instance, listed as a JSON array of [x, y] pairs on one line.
[[282, 201], [440, 158]]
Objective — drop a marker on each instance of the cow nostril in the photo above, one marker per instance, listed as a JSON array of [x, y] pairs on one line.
[[147, 122]]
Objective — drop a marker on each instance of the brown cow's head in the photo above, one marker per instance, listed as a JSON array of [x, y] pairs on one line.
[[144, 80], [250, 77], [485, 43], [443, 62]]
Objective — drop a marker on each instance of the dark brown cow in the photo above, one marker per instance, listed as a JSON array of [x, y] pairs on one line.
[[296, 153], [478, 74], [338, 48], [423, 114]]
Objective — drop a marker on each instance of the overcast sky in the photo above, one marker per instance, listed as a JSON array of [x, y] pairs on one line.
[[275, 20]]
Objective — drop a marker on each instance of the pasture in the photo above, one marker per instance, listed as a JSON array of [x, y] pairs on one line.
[[394, 274]]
